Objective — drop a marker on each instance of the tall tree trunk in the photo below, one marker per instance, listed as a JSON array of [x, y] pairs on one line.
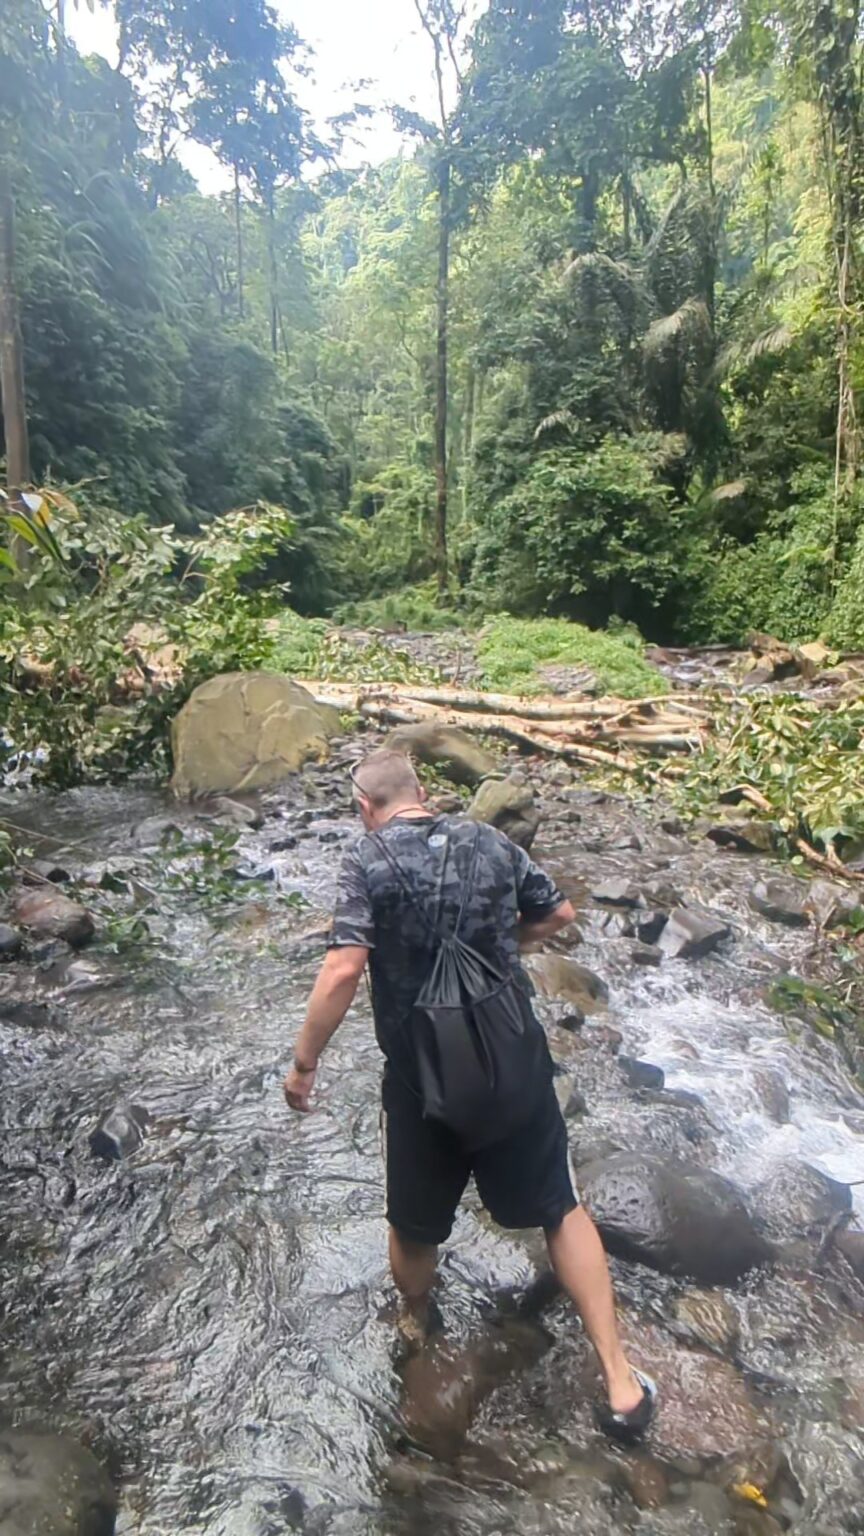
[[238, 231], [11, 349], [441, 373], [274, 276]]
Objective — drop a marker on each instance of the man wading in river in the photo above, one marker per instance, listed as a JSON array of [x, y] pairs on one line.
[[439, 907]]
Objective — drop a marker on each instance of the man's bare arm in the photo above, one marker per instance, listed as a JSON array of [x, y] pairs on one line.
[[330, 999], [546, 927]]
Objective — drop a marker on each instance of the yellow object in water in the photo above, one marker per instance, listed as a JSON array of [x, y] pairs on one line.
[[751, 1493]]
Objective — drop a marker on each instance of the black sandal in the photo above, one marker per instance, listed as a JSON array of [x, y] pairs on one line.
[[630, 1428]]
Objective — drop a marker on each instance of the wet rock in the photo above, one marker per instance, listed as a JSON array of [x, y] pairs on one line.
[[120, 1132], [50, 952], [242, 731], [647, 1483], [744, 834], [11, 942], [673, 1216], [572, 1021], [758, 677], [797, 1200], [52, 1486], [641, 1074], [750, 1521], [773, 1094], [689, 935], [47, 869], [29, 1016], [646, 955], [509, 805], [236, 813], [575, 1105], [628, 842], [829, 904], [707, 1318], [851, 1245], [616, 922], [284, 844], [153, 831], [445, 1381], [616, 893], [50, 915], [558, 976], [453, 752], [811, 659], [650, 927], [604, 1037], [782, 901]]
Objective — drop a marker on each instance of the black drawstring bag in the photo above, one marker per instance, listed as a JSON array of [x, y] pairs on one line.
[[482, 1057]]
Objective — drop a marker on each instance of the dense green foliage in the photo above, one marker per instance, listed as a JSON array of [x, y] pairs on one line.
[[513, 652], [804, 760], [653, 323]]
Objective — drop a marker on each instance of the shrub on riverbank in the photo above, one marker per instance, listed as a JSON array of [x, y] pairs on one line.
[[511, 651]]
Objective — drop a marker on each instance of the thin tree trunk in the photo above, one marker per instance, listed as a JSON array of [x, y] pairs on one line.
[[274, 300], [238, 230], [11, 349], [441, 373]]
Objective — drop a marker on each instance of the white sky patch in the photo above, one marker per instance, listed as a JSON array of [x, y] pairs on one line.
[[375, 41]]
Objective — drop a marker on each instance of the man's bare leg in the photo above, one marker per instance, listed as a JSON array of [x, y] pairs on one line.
[[579, 1262], [414, 1266]]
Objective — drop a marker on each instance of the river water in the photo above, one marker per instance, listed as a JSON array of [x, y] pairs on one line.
[[212, 1314]]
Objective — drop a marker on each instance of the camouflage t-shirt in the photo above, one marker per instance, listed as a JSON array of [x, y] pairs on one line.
[[374, 909]]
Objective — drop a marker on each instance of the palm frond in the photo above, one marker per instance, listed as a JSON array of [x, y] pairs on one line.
[[742, 354], [691, 319], [728, 492], [557, 419]]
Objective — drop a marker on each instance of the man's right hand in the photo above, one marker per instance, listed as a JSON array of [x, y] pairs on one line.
[[298, 1090]]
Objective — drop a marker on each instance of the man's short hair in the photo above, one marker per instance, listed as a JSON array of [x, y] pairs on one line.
[[387, 778]]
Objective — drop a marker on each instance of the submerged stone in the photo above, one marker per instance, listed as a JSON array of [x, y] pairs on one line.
[[120, 1131], [51, 1486], [673, 1216]]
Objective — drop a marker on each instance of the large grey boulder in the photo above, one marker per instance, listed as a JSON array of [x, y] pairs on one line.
[[453, 752], [247, 730], [673, 1216], [507, 804], [52, 1486]]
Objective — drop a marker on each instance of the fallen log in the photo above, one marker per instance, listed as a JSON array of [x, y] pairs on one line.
[[509, 729]]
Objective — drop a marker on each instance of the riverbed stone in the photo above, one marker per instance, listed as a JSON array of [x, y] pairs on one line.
[[120, 1131], [690, 935], [830, 904], [851, 1244], [51, 1486], [707, 1318], [11, 942], [649, 927], [453, 752], [616, 893], [773, 1094], [509, 805], [646, 955], [797, 1200], [674, 1216], [781, 901], [641, 1074], [745, 834], [48, 914], [241, 731], [560, 977]]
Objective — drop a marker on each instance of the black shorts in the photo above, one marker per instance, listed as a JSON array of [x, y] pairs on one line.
[[523, 1181]]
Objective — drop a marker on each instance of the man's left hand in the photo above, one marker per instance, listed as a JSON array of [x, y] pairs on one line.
[[298, 1090]]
